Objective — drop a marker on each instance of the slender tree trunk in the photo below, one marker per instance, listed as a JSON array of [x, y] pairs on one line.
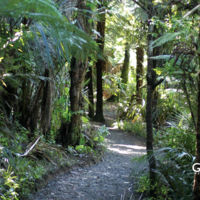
[[99, 66], [90, 93], [151, 84], [125, 67], [139, 74], [99, 105]]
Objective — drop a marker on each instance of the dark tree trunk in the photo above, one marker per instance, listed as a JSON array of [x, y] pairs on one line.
[[139, 74], [77, 75], [70, 131], [125, 67], [90, 93], [151, 84], [99, 105], [99, 66], [155, 100]]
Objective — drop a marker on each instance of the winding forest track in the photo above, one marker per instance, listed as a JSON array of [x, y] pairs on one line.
[[106, 180]]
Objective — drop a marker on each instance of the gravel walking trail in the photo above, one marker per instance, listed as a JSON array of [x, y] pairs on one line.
[[106, 180]]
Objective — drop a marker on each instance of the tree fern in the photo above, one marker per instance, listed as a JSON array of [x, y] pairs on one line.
[[70, 39]]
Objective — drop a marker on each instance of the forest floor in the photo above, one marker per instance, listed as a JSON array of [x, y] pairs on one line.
[[109, 179]]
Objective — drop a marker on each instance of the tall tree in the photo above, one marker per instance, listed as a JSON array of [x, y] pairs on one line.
[[70, 132], [100, 62], [151, 80], [77, 75], [152, 83]]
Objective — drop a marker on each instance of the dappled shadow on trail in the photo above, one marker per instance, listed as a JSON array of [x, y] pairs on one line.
[[106, 180], [125, 144]]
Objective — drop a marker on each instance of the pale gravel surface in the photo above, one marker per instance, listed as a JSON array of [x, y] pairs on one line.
[[107, 180]]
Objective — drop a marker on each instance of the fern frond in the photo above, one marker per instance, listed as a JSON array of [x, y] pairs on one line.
[[50, 21], [165, 38]]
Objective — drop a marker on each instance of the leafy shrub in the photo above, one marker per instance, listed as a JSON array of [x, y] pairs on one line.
[[18, 174], [8, 181], [178, 134], [89, 142], [167, 106], [174, 175], [83, 149], [101, 133], [174, 167], [135, 127], [144, 187], [177, 137], [8, 184], [113, 80], [27, 171]]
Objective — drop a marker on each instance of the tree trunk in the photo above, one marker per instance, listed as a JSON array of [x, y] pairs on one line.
[[90, 93], [99, 66], [125, 67], [151, 84], [139, 74], [70, 132], [77, 75], [99, 105]]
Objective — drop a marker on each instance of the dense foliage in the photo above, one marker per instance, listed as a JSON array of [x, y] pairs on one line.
[[55, 53]]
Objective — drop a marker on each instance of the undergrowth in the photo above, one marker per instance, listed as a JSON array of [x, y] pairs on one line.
[[174, 153], [135, 127], [20, 173], [174, 175]]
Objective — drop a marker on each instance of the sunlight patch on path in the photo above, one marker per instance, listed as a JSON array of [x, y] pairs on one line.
[[127, 149]]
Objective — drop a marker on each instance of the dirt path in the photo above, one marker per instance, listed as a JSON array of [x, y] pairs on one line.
[[107, 180]]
